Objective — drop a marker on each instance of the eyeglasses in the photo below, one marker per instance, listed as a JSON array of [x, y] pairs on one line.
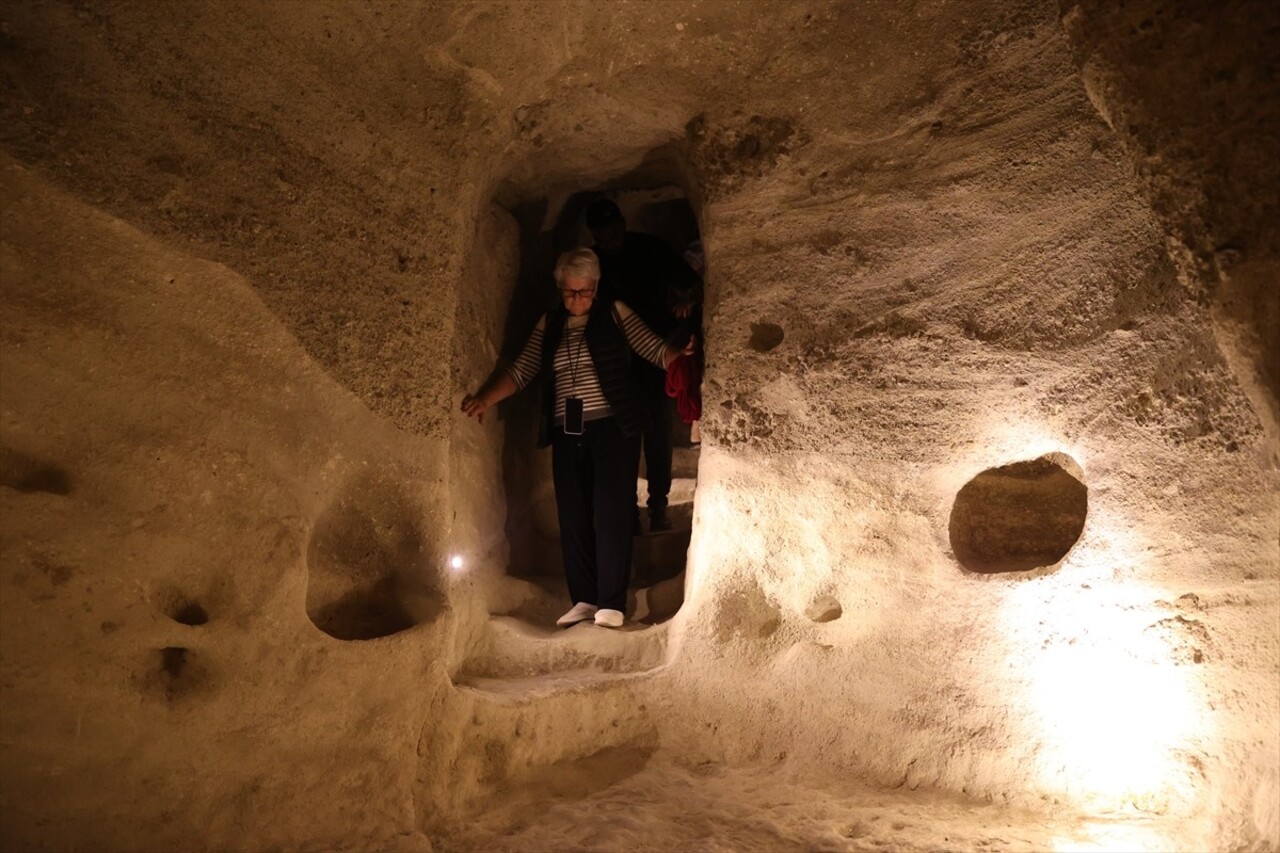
[[585, 293]]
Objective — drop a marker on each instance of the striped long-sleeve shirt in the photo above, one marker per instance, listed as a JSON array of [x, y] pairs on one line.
[[575, 373]]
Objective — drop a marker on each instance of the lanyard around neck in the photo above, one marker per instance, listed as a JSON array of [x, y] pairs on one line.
[[574, 358]]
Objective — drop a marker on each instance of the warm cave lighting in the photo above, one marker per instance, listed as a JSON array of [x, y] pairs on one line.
[[1102, 837], [1018, 435], [1114, 719], [455, 562], [1112, 714]]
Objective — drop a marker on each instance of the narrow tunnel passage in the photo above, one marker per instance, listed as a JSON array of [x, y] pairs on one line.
[[657, 587]]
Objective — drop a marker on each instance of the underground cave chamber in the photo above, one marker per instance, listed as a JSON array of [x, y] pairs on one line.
[[978, 551]]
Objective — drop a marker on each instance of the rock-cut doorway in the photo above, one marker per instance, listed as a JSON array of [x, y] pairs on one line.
[[658, 558]]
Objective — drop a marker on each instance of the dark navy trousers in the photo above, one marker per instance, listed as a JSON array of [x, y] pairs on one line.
[[595, 480], [651, 388]]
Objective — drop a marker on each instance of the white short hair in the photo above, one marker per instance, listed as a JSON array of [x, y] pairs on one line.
[[579, 263]]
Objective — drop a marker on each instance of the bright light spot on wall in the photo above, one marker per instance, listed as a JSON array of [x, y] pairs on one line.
[[725, 530], [1112, 718], [455, 562], [1115, 838], [1112, 711], [1019, 438]]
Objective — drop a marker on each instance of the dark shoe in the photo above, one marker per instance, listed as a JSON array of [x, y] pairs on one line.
[[658, 520]]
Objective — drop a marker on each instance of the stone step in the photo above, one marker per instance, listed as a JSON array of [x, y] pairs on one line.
[[656, 557], [552, 685], [657, 602], [520, 729], [515, 648], [684, 462], [681, 493]]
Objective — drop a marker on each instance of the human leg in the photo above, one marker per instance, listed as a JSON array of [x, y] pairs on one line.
[[571, 472], [633, 451], [612, 492], [657, 442]]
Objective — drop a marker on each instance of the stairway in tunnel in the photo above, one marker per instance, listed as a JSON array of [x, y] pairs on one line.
[[658, 559], [523, 653]]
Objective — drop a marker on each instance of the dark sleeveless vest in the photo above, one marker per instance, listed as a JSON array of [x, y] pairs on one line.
[[611, 355]]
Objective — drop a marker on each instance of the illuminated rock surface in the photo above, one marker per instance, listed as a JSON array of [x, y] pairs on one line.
[[253, 254]]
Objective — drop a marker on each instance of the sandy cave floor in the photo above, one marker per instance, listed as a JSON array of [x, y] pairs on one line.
[[598, 803]]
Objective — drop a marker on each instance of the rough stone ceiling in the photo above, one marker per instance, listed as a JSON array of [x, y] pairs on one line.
[[379, 131]]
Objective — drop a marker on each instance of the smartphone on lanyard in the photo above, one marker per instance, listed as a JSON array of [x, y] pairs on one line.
[[573, 416]]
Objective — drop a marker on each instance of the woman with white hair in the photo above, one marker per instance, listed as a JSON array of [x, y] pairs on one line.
[[592, 421]]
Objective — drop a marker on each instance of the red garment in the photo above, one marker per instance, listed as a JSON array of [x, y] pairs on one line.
[[684, 383]]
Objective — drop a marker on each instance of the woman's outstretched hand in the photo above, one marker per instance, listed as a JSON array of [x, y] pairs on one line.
[[496, 389], [473, 406]]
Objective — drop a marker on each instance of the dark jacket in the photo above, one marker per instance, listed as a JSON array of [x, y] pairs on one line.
[[611, 356]]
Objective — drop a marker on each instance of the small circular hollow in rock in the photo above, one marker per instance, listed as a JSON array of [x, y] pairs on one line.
[[825, 608], [178, 672], [765, 336], [190, 613], [365, 572], [26, 473], [173, 659], [1022, 516]]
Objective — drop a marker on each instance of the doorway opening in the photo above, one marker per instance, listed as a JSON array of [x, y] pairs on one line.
[[658, 556]]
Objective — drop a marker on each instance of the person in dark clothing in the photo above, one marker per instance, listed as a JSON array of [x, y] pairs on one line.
[[645, 273], [591, 418]]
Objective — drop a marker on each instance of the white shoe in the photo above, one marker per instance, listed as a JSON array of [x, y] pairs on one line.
[[610, 618], [580, 612]]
